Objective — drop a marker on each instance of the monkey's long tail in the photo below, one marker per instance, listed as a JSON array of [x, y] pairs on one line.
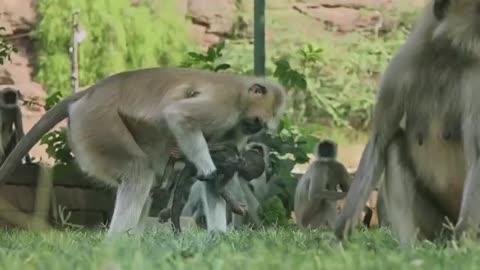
[[47, 122]]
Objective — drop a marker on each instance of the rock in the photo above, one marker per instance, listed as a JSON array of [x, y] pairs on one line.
[[343, 16], [355, 4], [17, 15], [216, 15]]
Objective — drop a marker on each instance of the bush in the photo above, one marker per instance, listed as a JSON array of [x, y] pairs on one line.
[[119, 37]]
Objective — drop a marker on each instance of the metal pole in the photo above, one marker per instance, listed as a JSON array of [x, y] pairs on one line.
[[259, 37], [74, 52]]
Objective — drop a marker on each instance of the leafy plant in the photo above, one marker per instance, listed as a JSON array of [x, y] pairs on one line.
[[119, 37], [5, 48], [56, 140], [207, 60]]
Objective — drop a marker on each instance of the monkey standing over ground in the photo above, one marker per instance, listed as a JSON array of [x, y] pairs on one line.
[[432, 165], [121, 130], [11, 123], [316, 192]]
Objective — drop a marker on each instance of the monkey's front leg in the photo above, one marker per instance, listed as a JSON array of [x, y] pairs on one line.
[[469, 217], [184, 119], [369, 171]]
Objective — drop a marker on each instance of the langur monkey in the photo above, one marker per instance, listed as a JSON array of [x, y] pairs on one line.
[[11, 122], [316, 191], [432, 165], [121, 129]]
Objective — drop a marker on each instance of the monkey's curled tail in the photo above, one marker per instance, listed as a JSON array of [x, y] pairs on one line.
[[47, 122]]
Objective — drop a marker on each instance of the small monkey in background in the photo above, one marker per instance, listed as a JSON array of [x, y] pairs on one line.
[[122, 127], [316, 191], [11, 129], [431, 166]]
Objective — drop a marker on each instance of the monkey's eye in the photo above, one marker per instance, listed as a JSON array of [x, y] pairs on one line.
[[258, 89]]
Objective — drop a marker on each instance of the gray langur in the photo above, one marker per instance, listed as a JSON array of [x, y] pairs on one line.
[[120, 129], [316, 192], [432, 164], [11, 129]]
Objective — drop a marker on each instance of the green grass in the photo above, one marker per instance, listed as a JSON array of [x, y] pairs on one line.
[[269, 249]]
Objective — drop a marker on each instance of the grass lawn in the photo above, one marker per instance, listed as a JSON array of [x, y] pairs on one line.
[[289, 248]]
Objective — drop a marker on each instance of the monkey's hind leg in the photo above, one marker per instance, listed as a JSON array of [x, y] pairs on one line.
[[411, 214], [132, 203]]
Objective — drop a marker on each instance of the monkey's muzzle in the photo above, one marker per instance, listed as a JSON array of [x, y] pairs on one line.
[[252, 126]]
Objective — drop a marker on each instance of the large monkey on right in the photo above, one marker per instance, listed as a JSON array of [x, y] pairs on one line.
[[121, 130], [432, 164]]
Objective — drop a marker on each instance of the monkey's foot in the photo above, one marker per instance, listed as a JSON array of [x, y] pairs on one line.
[[343, 228]]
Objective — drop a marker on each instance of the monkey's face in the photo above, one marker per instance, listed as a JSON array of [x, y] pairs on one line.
[[263, 104], [327, 149], [461, 15], [9, 97]]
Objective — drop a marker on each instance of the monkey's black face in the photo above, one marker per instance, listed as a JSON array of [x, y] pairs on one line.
[[326, 149], [10, 97], [440, 8], [252, 125], [259, 149]]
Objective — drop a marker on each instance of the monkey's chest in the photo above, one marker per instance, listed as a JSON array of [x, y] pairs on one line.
[[440, 166]]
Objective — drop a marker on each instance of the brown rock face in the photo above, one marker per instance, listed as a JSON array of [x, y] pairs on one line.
[[344, 15], [212, 19]]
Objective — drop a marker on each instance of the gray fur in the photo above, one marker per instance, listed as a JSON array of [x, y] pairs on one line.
[[316, 192], [433, 82]]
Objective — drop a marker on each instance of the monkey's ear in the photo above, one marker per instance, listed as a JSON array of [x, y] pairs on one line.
[[440, 8], [257, 89]]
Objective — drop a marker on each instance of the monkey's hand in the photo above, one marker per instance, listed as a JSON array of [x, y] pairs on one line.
[[237, 207]]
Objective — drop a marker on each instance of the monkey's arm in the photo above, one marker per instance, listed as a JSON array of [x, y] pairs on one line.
[[388, 113], [184, 119], [344, 181], [19, 132]]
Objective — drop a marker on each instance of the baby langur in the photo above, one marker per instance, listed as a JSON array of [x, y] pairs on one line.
[[431, 166], [121, 129], [242, 186], [260, 185], [251, 166], [316, 192], [11, 122]]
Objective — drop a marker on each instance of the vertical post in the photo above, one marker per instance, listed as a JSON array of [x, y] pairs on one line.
[[74, 52], [259, 37]]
